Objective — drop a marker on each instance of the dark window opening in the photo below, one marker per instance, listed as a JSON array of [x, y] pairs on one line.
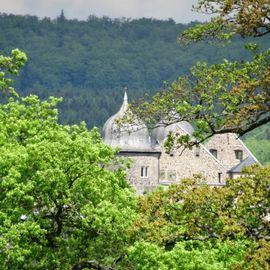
[[219, 177], [144, 172], [238, 154]]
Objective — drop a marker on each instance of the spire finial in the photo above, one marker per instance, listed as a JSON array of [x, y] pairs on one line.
[[124, 106], [125, 96]]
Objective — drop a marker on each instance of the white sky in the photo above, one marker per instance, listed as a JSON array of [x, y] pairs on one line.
[[179, 10]]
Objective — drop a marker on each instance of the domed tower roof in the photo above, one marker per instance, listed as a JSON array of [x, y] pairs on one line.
[[129, 137], [161, 131]]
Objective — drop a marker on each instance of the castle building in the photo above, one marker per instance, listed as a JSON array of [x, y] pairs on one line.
[[223, 156]]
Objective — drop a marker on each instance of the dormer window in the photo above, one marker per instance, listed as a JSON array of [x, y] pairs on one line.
[[144, 172], [238, 154], [213, 152]]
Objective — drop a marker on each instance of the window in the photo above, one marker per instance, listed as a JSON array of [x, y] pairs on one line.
[[238, 154], [144, 172], [213, 152], [219, 177]]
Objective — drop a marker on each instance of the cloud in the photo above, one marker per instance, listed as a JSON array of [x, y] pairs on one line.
[[179, 10]]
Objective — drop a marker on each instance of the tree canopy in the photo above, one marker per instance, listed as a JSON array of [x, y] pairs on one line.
[[194, 226], [88, 63], [232, 96], [244, 17], [64, 199], [71, 59]]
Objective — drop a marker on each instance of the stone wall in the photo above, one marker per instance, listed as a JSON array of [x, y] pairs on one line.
[[152, 167], [226, 145], [139, 161], [184, 163]]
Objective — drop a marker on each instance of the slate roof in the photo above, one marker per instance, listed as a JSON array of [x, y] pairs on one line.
[[244, 163]]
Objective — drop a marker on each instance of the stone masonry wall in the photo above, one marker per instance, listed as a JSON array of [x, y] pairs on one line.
[[226, 145], [196, 161], [190, 162], [139, 160]]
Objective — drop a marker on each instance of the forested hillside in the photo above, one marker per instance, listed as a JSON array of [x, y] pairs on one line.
[[90, 62]]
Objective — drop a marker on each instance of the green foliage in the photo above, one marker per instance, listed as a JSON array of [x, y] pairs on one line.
[[89, 62], [63, 193], [189, 255], [65, 204], [10, 64], [232, 96], [247, 18], [259, 142], [212, 31], [59, 202], [217, 98], [194, 226]]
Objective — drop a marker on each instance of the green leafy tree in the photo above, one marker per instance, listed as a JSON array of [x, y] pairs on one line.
[[214, 227], [10, 65], [89, 62], [219, 98], [191, 255], [244, 17], [64, 199], [259, 141]]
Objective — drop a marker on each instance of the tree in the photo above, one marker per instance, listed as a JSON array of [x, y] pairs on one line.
[[64, 199], [218, 98], [10, 64], [214, 227], [244, 17], [190, 255]]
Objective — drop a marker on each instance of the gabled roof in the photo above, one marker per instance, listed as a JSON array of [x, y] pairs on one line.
[[250, 160]]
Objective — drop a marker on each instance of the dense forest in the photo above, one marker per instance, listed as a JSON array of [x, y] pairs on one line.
[[90, 62]]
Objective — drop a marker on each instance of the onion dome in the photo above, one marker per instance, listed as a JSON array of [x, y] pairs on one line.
[[132, 136]]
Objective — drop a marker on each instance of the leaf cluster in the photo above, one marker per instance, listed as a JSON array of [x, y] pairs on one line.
[[195, 226], [64, 198]]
